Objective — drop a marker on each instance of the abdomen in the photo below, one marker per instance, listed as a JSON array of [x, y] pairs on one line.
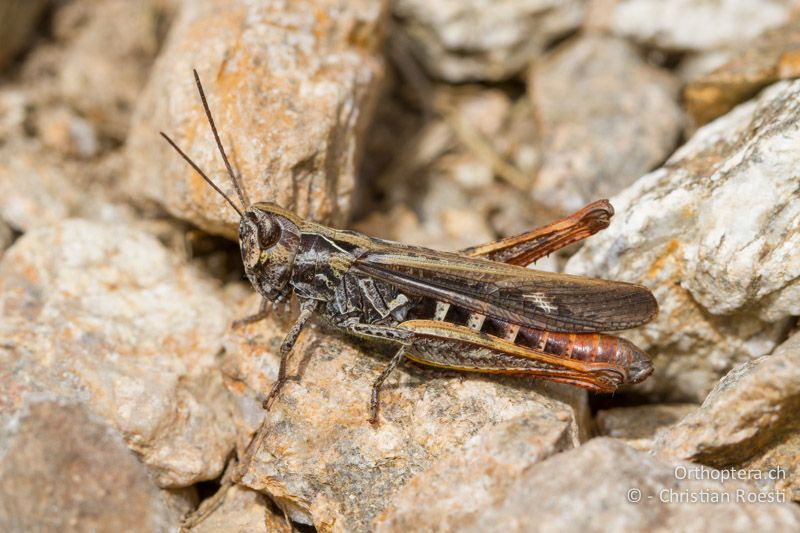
[[586, 347]]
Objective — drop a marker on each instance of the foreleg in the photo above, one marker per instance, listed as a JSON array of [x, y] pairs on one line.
[[307, 308], [263, 312]]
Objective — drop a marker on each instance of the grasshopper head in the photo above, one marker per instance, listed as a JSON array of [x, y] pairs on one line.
[[268, 237]]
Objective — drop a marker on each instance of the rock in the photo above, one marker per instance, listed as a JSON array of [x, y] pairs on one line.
[[638, 425], [69, 134], [13, 113], [596, 487], [473, 134], [63, 468], [471, 479], [317, 456], [769, 58], [106, 316], [397, 120], [748, 421], [452, 228], [40, 186], [67, 108], [457, 182], [695, 65], [456, 228], [18, 21], [460, 40], [606, 118], [290, 85], [6, 236], [35, 188], [493, 134], [243, 510], [714, 233], [70, 94], [108, 48], [688, 25]]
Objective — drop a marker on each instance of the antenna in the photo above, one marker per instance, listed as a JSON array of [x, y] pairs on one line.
[[202, 174], [239, 189]]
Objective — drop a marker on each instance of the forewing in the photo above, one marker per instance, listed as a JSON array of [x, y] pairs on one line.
[[543, 300]]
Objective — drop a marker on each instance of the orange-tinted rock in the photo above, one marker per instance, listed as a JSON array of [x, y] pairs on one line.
[[769, 58], [456, 490], [290, 85], [243, 510]]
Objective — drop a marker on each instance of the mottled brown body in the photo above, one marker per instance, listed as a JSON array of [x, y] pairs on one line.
[[476, 310]]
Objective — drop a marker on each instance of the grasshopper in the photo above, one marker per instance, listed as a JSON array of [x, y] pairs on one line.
[[478, 310]]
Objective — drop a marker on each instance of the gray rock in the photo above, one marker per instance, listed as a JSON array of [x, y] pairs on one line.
[[63, 468], [456, 183], [105, 315], [64, 131], [35, 189], [107, 48], [290, 85], [638, 425], [689, 25], [64, 114], [43, 182], [460, 40], [456, 490], [698, 64], [596, 487], [714, 233], [606, 118], [749, 421]]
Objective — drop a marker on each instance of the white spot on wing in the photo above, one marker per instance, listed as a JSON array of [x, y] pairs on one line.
[[541, 301]]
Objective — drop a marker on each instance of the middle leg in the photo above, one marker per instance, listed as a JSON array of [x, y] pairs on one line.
[[374, 402]]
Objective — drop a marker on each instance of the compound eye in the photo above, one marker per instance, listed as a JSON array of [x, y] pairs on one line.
[[268, 234]]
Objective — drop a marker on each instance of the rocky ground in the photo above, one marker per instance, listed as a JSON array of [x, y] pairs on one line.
[[129, 402]]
